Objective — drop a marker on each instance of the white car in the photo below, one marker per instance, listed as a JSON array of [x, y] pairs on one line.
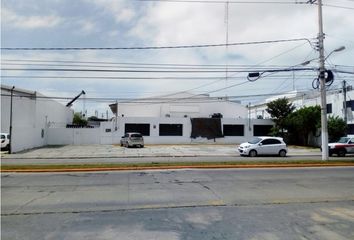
[[5, 141], [264, 146], [132, 139]]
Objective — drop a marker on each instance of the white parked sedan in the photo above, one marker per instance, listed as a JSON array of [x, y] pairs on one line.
[[132, 139], [263, 146], [5, 141]]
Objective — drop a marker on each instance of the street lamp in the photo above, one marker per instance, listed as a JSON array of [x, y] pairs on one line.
[[253, 76], [335, 50]]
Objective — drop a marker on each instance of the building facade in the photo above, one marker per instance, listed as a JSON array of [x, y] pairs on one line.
[[30, 116], [175, 119]]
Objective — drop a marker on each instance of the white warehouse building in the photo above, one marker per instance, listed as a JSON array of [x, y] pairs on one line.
[[182, 118], [186, 118]]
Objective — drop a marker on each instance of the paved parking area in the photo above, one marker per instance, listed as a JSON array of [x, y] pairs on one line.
[[115, 151]]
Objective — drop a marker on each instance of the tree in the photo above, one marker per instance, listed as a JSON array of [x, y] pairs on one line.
[[303, 123], [336, 128], [79, 120], [279, 110]]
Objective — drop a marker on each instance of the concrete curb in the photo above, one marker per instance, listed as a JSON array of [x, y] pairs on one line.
[[142, 156], [181, 167], [130, 156]]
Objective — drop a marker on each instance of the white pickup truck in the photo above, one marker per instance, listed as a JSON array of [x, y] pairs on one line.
[[342, 147]]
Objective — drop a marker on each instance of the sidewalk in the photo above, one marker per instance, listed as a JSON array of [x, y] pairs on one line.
[[115, 151]]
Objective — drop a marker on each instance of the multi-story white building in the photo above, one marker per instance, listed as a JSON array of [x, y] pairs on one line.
[[337, 105]]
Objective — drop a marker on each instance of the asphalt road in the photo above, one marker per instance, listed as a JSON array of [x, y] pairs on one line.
[[310, 203]]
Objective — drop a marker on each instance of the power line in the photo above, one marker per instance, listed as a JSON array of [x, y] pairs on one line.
[[348, 0], [250, 2], [262, 62], [119, 63], [151, 48], [135, 78], [149, 100], [141, 66], [223, 2], [151, 71], [151, 64], [336, 6]]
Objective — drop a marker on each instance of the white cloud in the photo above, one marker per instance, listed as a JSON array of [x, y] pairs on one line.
[[13, 19], [124, 15], [176, 23], [169, 24], [87, 27], [122, 10]]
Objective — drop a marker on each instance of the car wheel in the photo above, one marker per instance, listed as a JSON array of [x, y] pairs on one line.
[[282, 153], [341, 153], [253, 153], [142, 146], [7, 148]]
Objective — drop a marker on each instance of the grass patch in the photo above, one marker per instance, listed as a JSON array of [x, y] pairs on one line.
[[173, 164]]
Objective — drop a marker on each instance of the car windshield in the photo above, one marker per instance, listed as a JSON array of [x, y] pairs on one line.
[[255, 141], [343, 140]]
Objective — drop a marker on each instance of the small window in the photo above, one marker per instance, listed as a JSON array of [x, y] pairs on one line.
[[261, 130], [108, 130], [2, 136], [233, 130], [329, 108], [350, 104], [171, 130], [350, 129], [143, 128]]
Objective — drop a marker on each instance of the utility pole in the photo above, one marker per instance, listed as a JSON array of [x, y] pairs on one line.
[[227, 42], [10, 132], [116, 127], [324, 128], [345, 100]]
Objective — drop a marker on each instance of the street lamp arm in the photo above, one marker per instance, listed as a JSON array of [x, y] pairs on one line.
[[335, 50]]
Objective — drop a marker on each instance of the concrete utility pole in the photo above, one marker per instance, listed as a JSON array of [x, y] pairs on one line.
[[324, 128], [10, 130], [116, 124], [345, 100]]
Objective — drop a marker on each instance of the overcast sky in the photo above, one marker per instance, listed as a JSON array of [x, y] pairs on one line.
[[129, 23]]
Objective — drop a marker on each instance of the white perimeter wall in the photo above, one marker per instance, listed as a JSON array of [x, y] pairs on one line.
[[31, 119]]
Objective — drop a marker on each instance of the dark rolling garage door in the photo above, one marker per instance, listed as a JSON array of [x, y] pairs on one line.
[[206, 127]]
